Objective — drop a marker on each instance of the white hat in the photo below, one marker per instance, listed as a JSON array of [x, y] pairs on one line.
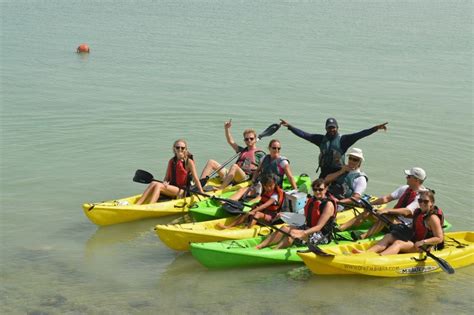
[[357, 153], [417, 172]]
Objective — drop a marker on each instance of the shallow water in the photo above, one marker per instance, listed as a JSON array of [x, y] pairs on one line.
[[74, 128]]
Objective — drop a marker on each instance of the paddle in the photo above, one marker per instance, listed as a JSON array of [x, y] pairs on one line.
[[230, 205], [144, 177], [441, 262], [267, 132], [291, 218], [313, 248]]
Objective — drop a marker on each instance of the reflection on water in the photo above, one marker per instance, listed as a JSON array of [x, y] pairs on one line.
[[119, 233]]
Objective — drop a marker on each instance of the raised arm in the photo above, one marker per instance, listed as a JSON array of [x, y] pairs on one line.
[[289, 175], [228, 135], [348, 140], [311, 137], [192, 169]]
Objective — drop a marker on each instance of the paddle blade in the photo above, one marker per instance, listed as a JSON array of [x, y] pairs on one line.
[[203, 181], [269, 131], [441, 262], [233, 207], [291, 218], [318, 251], [143, 177]]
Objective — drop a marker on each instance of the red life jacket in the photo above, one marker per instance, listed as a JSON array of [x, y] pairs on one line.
[[247, 160], [406, 198], [421, 230], [313, 210], [266, 196], [176, 173]]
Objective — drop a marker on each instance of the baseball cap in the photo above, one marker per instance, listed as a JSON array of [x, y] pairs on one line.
[[331, 122], [417, 172]]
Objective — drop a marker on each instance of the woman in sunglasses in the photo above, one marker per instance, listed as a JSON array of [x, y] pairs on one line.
[[320, 212], [427, 228], [181, 168], [275, 164]]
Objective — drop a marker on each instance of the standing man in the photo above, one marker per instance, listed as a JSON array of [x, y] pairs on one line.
[[332, 145]]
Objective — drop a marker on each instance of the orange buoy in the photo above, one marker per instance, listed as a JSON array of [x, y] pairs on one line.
[[83, 48]]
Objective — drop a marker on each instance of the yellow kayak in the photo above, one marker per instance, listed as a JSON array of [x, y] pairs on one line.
[[458, 252], [125, 210], [178, 236]]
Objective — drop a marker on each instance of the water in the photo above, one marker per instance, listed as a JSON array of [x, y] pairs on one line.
[[74, 129]]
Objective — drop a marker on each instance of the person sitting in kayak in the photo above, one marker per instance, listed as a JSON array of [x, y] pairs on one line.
[[273, 163], [247, 162], [267, 208], [320, 212], [332, 145], [427, 229], [276, 164], [407, 196], [181, 168], [349, 182]]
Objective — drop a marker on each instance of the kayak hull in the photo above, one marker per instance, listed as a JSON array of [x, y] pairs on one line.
[[400, 265], [125, 210], [179, 236], [242, 253]]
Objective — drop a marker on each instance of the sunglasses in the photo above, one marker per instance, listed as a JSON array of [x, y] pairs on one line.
[[353, 159], [410, 176], [180, 148], [425, 201], [276, 148], [318, 188], [249, 139]]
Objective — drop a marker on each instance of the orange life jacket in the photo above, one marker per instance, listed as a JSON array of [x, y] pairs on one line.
[[266, 196], [177, 173], [406, 198], [421, 230]]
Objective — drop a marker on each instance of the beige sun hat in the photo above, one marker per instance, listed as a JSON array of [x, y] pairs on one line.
[[357, 153]]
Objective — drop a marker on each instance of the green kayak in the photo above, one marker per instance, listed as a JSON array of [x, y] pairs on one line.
[[210, 209], [242, 253]]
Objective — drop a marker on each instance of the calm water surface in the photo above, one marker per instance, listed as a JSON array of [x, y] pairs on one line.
[[75, 128]]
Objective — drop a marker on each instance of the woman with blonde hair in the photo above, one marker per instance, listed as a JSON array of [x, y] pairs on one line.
[[181, 168]]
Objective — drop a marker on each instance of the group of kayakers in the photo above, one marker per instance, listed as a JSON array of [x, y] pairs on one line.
[[339, 182]]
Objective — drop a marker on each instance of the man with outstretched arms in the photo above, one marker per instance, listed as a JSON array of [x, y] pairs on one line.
[[332, 145]]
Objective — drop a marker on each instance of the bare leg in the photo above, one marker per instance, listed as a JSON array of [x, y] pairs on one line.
[[285, 242], [239, 220], [271, 239], [385, 242], [374, 229], [235, 171], [148, 191], [356, 221], [399, 246], [211, 166]]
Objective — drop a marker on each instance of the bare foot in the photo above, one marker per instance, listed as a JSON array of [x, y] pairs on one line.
[[356, 251], [221, 226]]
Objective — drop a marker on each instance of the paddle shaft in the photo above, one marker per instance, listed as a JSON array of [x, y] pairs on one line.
[[220, 199]]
